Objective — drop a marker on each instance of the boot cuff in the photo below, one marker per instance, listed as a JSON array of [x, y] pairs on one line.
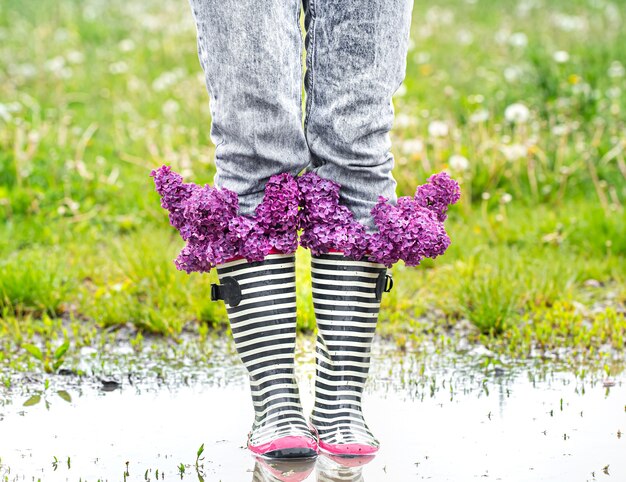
[[208, 219]]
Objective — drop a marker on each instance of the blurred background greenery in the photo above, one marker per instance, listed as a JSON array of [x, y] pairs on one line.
[[522, 101]]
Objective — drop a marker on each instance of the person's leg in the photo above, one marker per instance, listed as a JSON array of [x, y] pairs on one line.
[[260, 300], [255, 264], [346, 299], [251, 56], [356, 60]]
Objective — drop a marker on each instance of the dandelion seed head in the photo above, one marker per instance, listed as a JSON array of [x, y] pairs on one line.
[[421, 57], [560, 130], [560, 56], [616, 70], [167, 79], [126, 45], [75, 57], [514, 152], [479, 116], [25, 70], [412, 146], [513, 73], [55, 64], [458, 162], [403, 120], [517, 113], [518, 40], [169, 108], [569, 23], [438, 129], [465, 37], [614, 93], [117, 68], [7, 110]]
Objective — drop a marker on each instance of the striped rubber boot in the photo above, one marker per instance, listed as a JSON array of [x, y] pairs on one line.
[[346, 297], [260, 300]]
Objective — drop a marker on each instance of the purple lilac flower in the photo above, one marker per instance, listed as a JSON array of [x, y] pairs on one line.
[[174, 193], [208, 220], [406, 231], [247, 235], [326, 224], [413, 229], [277, 215], [439, 192], [410, 230]]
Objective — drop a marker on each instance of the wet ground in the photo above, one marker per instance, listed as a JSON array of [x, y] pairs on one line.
[[452, 417]]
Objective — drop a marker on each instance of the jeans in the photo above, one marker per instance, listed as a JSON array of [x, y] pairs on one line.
[[251, 55]]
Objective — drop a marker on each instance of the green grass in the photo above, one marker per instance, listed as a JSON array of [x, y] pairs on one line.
[[102, 92]]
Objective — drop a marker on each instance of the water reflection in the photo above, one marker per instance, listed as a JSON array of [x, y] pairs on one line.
[[341, 469], [513, 423], [283, 471], [328, 468]]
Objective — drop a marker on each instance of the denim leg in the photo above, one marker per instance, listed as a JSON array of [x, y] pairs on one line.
[[356, 60], [251, 54]]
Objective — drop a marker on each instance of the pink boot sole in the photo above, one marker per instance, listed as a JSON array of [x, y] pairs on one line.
[[348, 449], [289, 447], [343, 449]]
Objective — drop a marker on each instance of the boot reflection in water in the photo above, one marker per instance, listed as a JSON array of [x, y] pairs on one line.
[[282, 470], [334, 468], [328, 468]]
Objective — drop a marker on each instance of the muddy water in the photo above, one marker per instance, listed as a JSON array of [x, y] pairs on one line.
[[438, 418]]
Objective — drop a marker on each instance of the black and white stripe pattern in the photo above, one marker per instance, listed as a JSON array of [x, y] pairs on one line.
[[346, 309], [264, 330]]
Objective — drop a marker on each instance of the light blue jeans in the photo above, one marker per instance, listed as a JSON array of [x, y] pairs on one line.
[[251, 54]]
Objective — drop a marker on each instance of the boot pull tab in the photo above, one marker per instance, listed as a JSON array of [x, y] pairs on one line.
[[384, 283], [228, 290]]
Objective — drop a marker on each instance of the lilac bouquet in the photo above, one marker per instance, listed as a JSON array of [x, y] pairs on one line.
[[326, 224], [209, 222], [410, 231]]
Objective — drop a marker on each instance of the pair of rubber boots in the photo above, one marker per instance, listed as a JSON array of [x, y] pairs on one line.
[[260, 299]]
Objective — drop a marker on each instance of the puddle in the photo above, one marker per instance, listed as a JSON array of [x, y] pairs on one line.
[[438, 418]]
